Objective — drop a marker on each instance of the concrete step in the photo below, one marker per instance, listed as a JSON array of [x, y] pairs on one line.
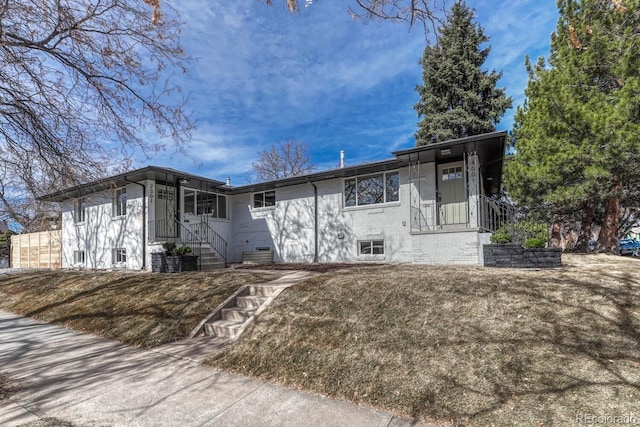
[[262, 290], [250, 301], [223, 328], [237, 314]]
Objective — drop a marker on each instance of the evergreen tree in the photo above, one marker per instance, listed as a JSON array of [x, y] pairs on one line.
[[458, 98], [578, 133]]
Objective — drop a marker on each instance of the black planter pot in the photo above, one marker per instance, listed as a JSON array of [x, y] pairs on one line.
[[163, 263]]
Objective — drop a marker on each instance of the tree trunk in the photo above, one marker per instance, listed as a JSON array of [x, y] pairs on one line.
[[582, 245], [608, 238], [556, 233]]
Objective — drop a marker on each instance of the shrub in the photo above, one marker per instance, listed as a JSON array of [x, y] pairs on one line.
[[535, 242], [500, 236], [183, 250]]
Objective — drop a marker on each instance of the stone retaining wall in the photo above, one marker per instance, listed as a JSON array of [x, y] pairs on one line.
[[513, 255]]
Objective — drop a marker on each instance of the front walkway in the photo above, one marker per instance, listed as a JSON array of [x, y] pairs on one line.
[[91, 381]]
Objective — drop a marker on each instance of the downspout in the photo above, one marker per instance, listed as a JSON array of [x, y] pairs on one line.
[[315, 223], [144, 222]]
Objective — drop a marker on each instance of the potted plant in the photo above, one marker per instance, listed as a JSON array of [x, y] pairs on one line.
[[174, 259]]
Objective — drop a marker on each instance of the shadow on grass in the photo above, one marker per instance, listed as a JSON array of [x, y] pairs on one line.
[[138, 309]]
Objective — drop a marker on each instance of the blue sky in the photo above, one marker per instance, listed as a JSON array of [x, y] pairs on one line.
[[264, 75]]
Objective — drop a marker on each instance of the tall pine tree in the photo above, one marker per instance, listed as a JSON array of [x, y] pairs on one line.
[[578, 133], [458, 98]]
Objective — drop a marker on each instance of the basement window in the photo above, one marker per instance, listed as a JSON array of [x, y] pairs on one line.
[[78, 257], [119, 256], [371, 247]]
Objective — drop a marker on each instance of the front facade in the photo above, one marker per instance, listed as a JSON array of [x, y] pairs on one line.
[[429, 204]]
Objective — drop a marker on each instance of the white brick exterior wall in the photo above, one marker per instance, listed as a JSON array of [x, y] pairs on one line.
[[287, 228], [101, 232]]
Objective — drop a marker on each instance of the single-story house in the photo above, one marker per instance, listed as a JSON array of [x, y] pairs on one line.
[[431, 204]]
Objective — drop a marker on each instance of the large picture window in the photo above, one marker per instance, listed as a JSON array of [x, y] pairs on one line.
[[120, 202], [372, 189], [264, 199], [198, 202], [80, 210]]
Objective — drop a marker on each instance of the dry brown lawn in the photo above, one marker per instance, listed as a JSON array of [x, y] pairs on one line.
[[459, 345], [136, 308]]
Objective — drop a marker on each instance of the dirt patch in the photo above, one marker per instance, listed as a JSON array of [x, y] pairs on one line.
[[6, 389], [48, 422]]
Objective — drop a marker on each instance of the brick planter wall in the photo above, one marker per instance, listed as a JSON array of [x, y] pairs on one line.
[[163, 263], [513, 255]]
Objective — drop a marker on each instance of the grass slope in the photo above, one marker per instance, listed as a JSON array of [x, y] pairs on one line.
[[140, 309], [467, 345]]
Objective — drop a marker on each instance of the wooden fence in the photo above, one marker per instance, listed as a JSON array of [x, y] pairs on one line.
[[37, 250]]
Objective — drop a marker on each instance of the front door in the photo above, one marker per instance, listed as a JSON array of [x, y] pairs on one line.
[[452, 208], [165, 211]]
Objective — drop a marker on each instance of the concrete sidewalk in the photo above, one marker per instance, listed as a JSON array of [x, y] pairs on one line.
[[91, 381]]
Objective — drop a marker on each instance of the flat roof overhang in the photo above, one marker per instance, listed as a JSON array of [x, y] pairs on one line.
[[155, 173], [490, 148], [363, 169]]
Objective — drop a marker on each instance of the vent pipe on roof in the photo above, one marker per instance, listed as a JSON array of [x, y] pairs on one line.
[[228, 180], [341, 158]]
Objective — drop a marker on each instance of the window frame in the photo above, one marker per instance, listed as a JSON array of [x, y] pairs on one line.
[[76, 256], [354, 199], [80, 210], [264, 204], [195, 203], [372, 244], [119, 207], [119, 256]]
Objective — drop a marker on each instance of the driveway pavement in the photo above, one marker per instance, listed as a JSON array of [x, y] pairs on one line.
[[90, 381]]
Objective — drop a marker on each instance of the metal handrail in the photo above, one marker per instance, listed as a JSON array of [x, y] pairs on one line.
[[209, 236]]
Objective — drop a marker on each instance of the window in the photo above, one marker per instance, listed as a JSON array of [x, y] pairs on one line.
[[119, 256], [120, 202], [449, 174], [79, 210], [264, 199], [371, 247], [372, 189], [198, 202], [78, 257]]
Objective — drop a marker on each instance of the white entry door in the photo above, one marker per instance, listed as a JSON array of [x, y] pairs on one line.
[[453, 195], [165, 211]]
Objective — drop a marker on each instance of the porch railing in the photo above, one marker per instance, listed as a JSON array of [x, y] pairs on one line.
[[162, 229], [520, 225], [493, 214], [437, 216]]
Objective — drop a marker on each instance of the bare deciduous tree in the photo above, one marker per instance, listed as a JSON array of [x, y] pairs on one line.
[[427, 12], [81, 82], [282, 160]]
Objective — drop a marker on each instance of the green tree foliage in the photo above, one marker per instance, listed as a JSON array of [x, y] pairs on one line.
[[578, 133], [458, 98]]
